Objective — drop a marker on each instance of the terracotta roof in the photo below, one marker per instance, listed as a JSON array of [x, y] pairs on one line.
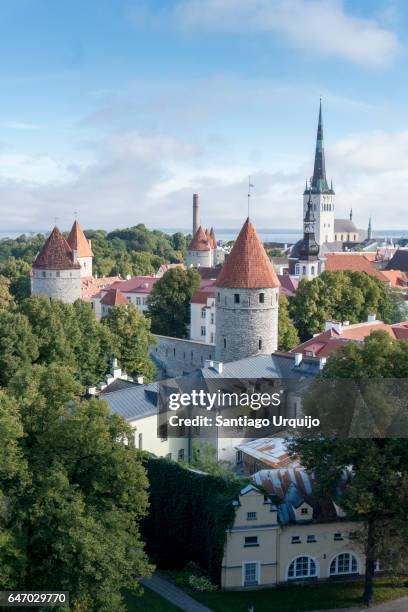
[[397, 278], [248, 265], [208, 273], [113, 297], [322, 345], [353, 262], [201, 296], [213, 238], [288, 284], [56, 254], [91, 286], [78, 242], [136, 284], [200, 241]]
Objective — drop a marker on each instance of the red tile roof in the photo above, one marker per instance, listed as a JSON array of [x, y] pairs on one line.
[[213, 239], [113, 297], [248, 266], [354, 262], [56, 254], [90, 285], [322, 345], [397, 278], [78, 242], [136, 284], [288, 284], [200, 241], [201, 296]]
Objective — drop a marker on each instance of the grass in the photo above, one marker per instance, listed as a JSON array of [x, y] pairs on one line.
[[299, 598], [148, 602]]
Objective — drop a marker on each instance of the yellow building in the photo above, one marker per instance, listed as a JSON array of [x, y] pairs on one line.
[[282, 534]]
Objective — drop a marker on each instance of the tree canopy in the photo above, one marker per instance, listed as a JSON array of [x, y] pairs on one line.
[[343, 296], [169, 302], [288, 336], [74, 492]]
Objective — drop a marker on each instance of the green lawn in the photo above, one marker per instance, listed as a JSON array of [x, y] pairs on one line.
[[148, 602], [300, 598]]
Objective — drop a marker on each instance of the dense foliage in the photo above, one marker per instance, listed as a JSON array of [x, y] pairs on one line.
[[40, 331], [71, 493], [169, 302], [288, 336], [188, 517], [376, 491], [343, 296], [134, 250]]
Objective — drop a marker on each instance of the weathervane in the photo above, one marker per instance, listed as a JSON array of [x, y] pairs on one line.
[[250, 185]]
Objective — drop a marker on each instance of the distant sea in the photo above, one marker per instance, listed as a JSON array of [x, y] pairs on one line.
[[284, 235]]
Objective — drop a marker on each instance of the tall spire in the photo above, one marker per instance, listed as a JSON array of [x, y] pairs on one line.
[[309, 249], [319, 181], [351, 214], [369, 231]]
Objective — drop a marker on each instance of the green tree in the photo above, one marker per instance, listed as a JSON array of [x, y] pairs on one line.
[[76, 522], [169, 302], [18, 344], [18, 273], [375, 469], [6, 299], [132, 340], [288, 336], [344, 296]]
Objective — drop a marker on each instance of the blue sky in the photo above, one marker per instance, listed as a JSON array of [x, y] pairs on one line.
[[121, 109]]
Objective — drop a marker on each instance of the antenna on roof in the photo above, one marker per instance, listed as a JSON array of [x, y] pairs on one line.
[[250, 185]]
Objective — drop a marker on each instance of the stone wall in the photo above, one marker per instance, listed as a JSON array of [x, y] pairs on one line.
[[248, 327], [200, 258], [176, 356], [62, 285]]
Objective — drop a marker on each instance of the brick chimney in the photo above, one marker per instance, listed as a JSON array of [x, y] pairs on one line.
[[196, 213]]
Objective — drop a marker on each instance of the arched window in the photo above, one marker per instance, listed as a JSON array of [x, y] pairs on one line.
[[345, 563], [302, 567]]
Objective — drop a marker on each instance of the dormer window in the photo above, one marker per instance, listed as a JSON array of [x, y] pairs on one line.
[[304, 511]]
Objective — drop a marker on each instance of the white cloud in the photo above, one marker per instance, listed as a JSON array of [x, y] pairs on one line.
[[322, 26]]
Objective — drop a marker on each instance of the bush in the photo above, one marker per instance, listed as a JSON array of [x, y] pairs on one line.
[[201, 583]]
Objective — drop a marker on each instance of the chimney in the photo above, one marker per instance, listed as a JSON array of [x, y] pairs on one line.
[[196, 213], [298, 358], [91, 390], [208, 363], [218, 366], [371, 318], [139, 380], [334, 325]]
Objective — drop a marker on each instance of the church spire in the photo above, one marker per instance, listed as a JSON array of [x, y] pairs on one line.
[[319, 181], [351, 214], [369, 231]]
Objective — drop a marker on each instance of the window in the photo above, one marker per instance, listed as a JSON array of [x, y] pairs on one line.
[[218, 296], [163, 433], [252, 516], [239, 457], [297, 269], [304, 511], [251, 574], [236, 298], [203, 330], [296, 540], [225, 343], [304, 270], [338, 536], [312, 270], [311, 538], [345, 563], [212, 339], [302, 567], [138, 301], [260, 344], [203, 313], [181, 454], [168, 456], [57, 274], [251, 541], [43, 274], [261, 298], [140, 441], [212, 320]]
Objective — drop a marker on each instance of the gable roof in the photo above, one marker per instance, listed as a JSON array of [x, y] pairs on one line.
[[345, 225], [136, 284], [56, 254], [353, 262], [78, 242], [114, 297], [247, 266], [200, 241], [399, 261]]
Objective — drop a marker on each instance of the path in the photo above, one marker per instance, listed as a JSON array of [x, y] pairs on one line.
[[172, 593]]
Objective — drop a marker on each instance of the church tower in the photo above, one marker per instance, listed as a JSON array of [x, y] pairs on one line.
[[322, 195], [247, 300], [304, 260]]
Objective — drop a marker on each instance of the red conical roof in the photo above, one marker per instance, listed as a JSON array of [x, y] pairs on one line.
[[200, 241], [212, 236], [56, 254], [247, 266], [78, 242]]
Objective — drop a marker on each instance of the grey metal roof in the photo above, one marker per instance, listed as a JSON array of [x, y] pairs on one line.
[[276, 365], [135, 402], [344, 225]]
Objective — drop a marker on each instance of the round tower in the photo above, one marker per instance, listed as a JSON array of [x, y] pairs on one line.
[[81, 248], [56, 271], [199, 251], [247, 301]]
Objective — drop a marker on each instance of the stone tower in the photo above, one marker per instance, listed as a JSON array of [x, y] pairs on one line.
[[323, 196], [56, 271], [247, 300], [200, 251], [82, 248]]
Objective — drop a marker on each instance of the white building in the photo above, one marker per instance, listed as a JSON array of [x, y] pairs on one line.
[[202, 309]]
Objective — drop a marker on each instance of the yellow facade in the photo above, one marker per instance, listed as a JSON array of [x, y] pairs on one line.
[[259, 552]]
